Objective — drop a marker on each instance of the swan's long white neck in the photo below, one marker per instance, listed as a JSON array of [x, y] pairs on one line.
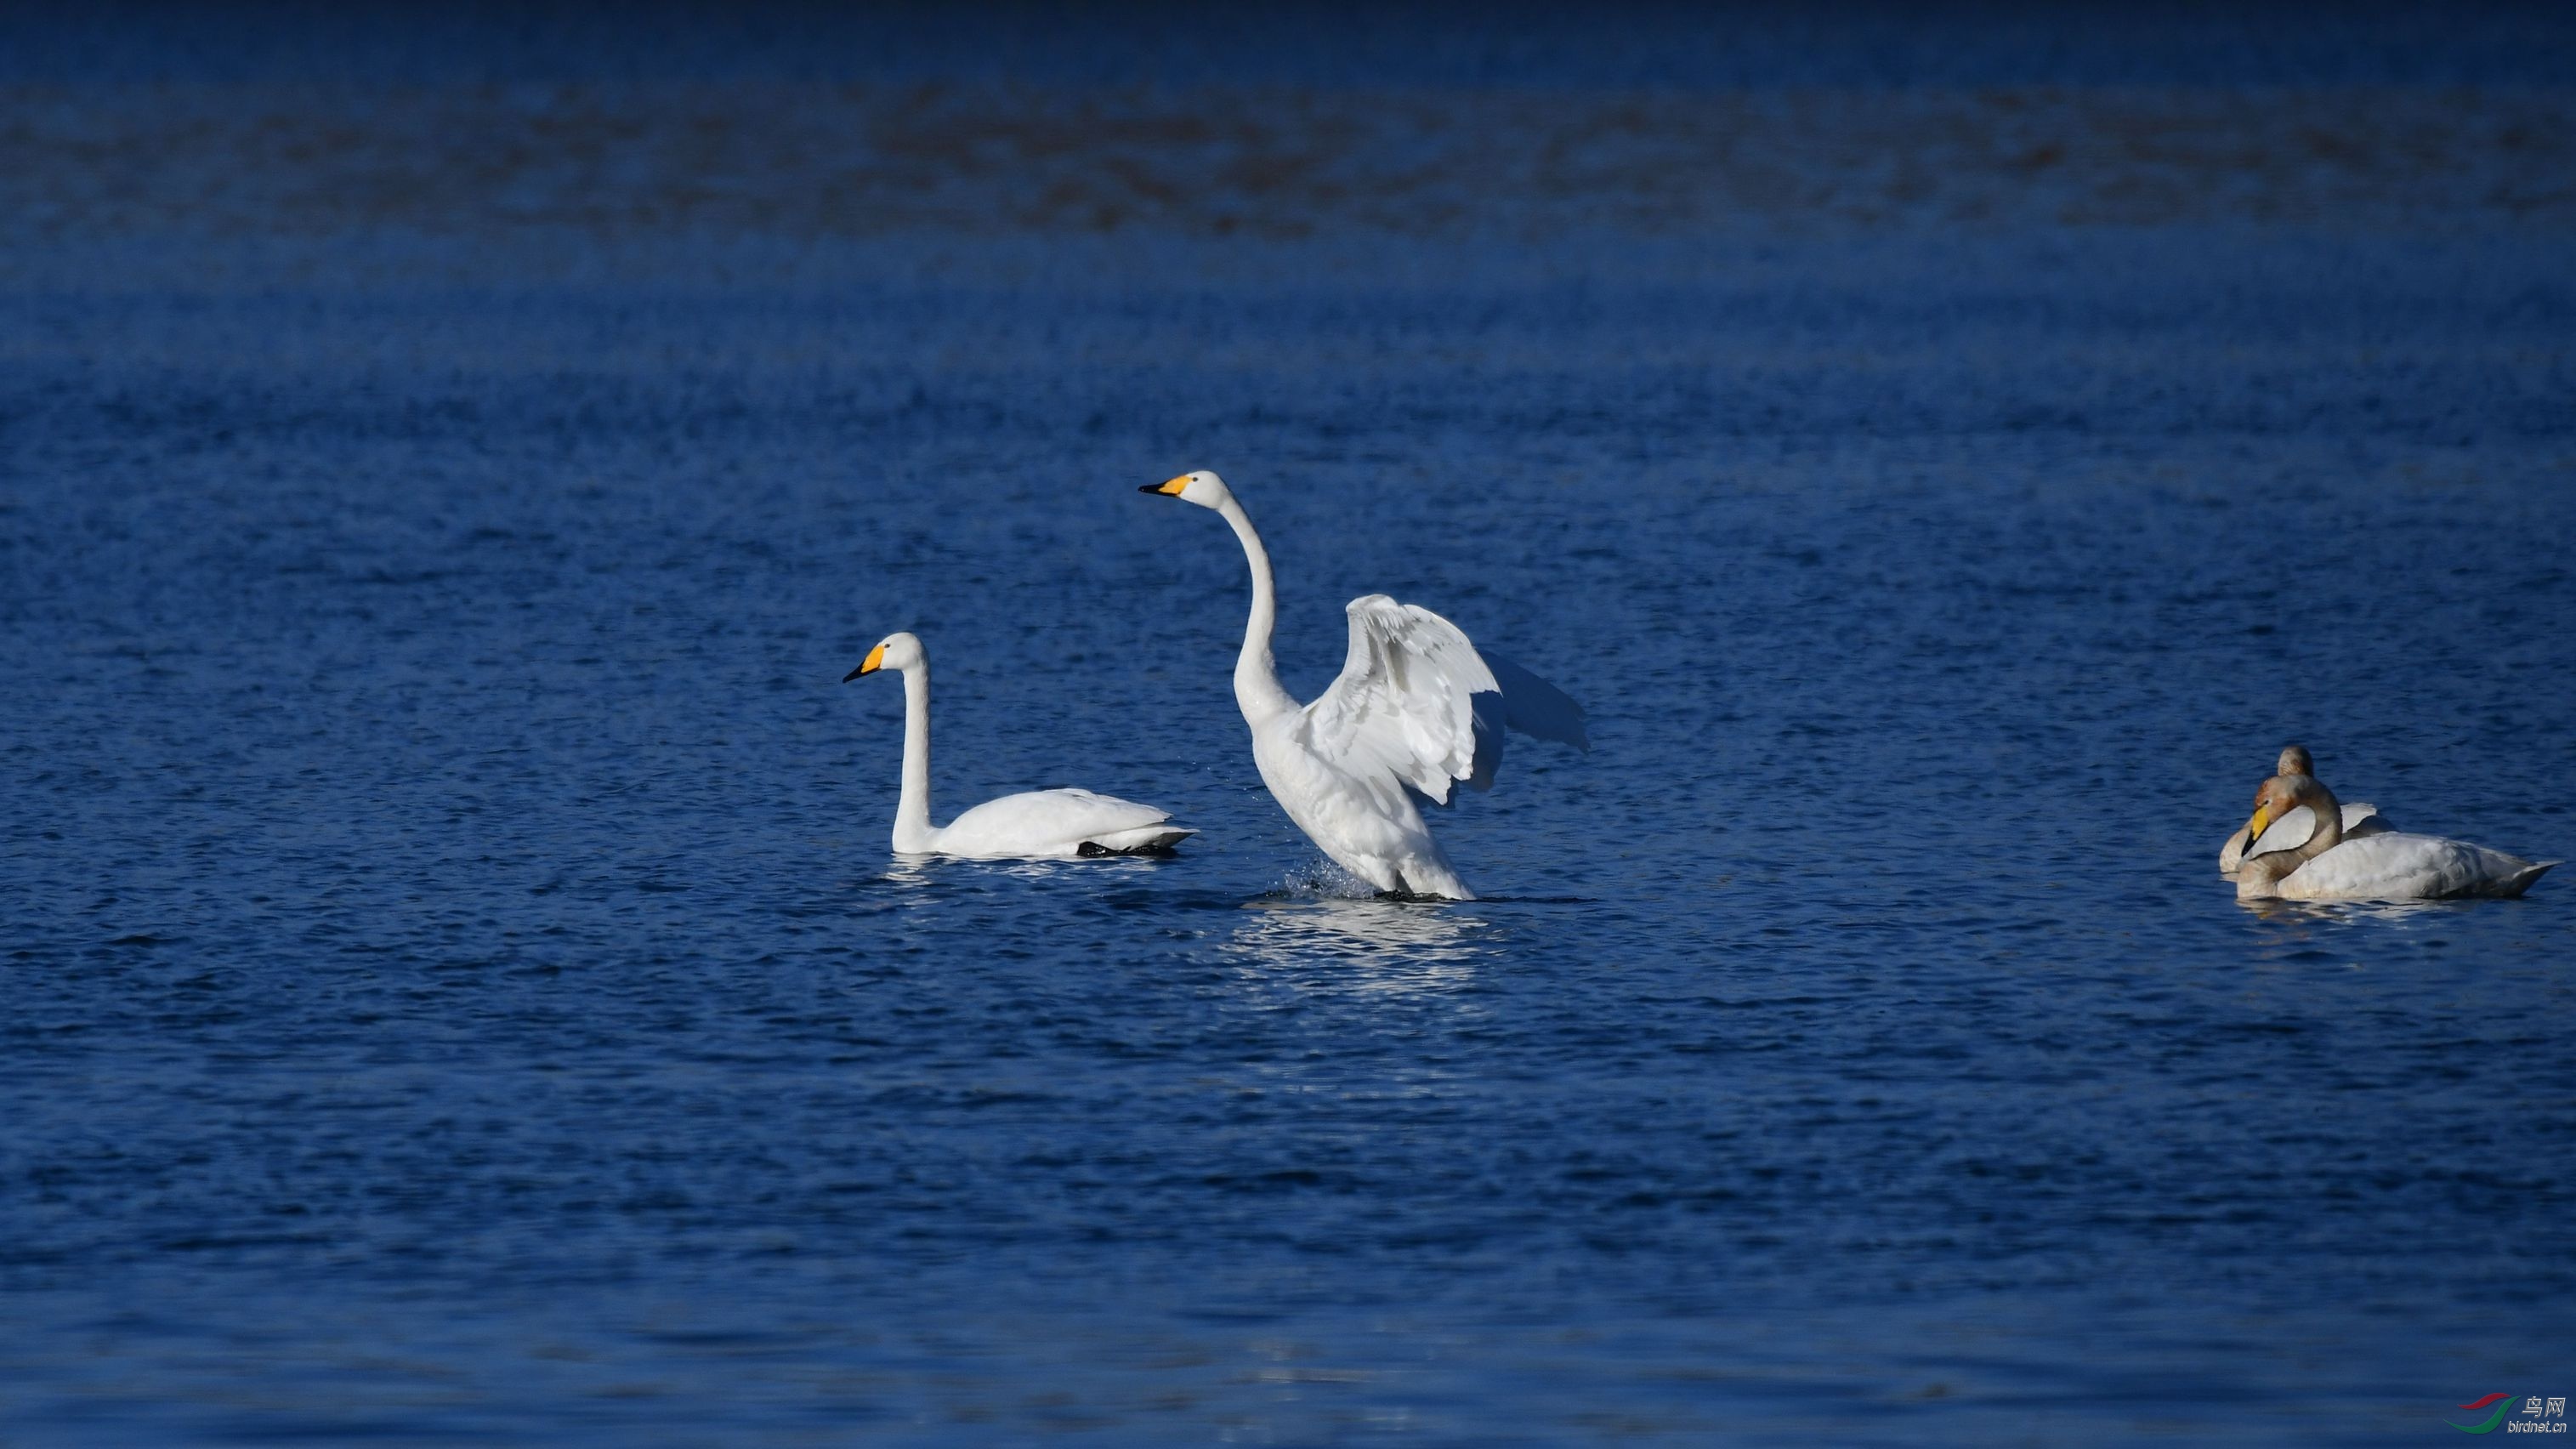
[[2259, 875], [913, 831], [1257, 690]]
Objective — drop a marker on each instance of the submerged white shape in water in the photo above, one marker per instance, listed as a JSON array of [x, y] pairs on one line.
[[1415, 709], [1041, 823]]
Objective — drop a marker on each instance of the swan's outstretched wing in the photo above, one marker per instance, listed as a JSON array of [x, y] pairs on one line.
[[1413, 701], [1417, 703], [1536, 708]]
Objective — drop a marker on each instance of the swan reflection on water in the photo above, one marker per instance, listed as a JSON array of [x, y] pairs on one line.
[[1375, 945], [921, 871], [2330, 913]]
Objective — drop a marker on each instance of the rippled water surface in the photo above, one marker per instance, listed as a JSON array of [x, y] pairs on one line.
[[458, 987]]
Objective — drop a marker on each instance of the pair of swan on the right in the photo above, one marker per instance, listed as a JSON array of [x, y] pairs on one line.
[[1415, 709], [2304, 845]]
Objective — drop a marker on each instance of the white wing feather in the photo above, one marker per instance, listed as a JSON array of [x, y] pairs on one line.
[[2360, 818], [2287, 833], [1417, 703]]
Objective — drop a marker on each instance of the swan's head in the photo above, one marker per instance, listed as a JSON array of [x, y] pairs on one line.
[[2294, 761], [2284, 793], [2272, 800], [895, 651], [1202, 488]]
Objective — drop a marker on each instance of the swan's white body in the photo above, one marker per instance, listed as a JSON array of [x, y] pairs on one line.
[[2397, 866], [2300, 854], [1040, 824], [1045, 823], [1415, 709]]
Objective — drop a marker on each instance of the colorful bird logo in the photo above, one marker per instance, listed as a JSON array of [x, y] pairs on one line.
[[2503, 1406]]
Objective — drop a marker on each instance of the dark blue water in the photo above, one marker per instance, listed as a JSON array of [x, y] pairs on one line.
[[458, 988]]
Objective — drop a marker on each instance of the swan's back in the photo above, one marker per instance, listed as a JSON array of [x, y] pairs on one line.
[[1057, 822], [2396, 866]]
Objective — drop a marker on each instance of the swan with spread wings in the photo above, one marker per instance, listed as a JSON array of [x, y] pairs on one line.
[[1416, 710]]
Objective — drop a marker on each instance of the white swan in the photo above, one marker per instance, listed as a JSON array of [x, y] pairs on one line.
[[1414, 709], [1038, 824], [2300, 853], [2359, 819]]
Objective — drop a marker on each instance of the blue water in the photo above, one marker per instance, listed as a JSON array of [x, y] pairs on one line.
[[458, 988]]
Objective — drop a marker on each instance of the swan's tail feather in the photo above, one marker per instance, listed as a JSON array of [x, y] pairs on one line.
[[2520, 881], [1146, 840]]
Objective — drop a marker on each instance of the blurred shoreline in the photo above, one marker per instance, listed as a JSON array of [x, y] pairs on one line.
[[1281, 166]]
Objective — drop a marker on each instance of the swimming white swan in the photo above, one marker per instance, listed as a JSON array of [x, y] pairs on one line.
[[1414, 709], [2359, 819], [2300, 853], [1040, 823]]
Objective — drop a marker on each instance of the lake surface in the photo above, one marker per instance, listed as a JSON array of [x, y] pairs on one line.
[[458, 988]]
